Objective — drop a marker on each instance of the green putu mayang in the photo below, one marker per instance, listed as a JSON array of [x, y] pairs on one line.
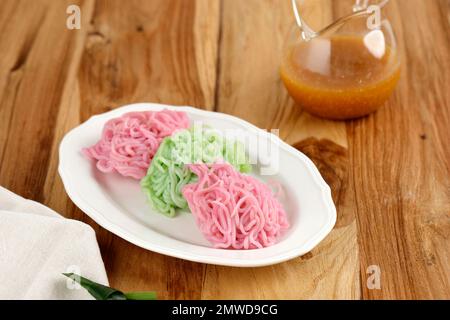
[[167, 174]]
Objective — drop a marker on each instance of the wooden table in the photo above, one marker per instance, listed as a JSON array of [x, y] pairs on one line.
[[390, 172]]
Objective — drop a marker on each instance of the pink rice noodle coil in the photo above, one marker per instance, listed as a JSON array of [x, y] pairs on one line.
[[233, 210], [128, 143]]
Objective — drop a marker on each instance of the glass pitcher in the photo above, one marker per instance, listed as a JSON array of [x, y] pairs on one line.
[[348, 69]]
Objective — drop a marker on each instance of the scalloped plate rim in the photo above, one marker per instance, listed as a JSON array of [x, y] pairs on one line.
[[129, 236]]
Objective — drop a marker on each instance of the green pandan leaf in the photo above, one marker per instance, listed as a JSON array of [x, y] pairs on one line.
[[101, 292], [97, 290], [141, 295]]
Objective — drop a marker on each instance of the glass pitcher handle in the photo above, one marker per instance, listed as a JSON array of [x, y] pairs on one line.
[[364, 4], [306, 32]]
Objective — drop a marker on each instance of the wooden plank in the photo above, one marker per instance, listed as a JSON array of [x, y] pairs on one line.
[[38, 52], [253, 35], [389, 172], [400, 160], [141, 51]]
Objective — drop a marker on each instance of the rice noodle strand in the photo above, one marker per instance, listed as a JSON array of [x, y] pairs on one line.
[[129, 143], [234, 210], [168, 173]]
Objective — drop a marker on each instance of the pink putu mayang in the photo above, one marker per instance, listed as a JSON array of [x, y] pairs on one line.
[[128, 143], [234, 210]]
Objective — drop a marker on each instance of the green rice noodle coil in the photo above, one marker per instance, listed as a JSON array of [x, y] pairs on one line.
[[168, 173]]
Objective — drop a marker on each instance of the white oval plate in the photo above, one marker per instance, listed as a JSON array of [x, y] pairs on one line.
[[118, 204]]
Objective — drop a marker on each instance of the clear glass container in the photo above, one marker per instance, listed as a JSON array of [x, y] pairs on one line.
[[348, 69]]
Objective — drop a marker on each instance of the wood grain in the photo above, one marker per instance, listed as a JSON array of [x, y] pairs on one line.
[[251, 88], [389, 172], [34, 41], [401, 159], [169, 58]]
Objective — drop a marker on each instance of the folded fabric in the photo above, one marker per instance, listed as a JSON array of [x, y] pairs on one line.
[[37, 245]]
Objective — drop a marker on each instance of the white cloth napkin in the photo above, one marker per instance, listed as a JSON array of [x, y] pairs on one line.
[[37, 245]]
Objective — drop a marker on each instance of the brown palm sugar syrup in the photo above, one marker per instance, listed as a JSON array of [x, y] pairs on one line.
[[341, 77]]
